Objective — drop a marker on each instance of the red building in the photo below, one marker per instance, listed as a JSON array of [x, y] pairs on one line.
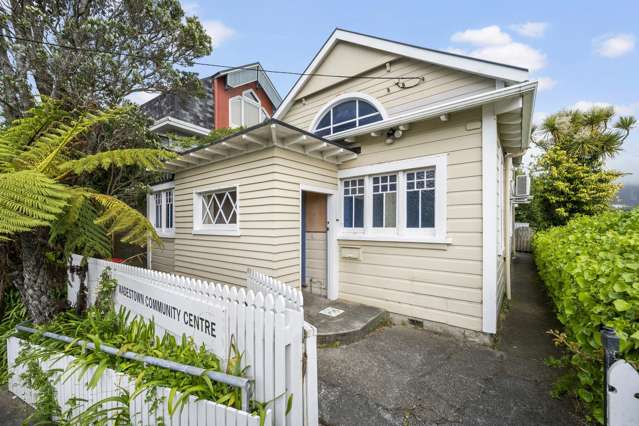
[[237, 97]]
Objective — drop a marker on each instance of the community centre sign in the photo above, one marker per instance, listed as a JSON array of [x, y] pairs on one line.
[[176, 313]]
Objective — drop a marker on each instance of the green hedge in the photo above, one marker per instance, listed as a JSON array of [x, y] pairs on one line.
[[591, 269]]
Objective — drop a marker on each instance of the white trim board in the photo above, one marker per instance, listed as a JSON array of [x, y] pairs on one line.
[[180, 124], [463, 63], [489, 213]]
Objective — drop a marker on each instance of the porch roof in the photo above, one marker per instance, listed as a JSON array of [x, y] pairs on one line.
[[271, 132]]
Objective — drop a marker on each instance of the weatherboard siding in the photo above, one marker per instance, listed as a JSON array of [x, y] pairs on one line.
[[269, 216], [162, 257], [434, 282], [294, 170], [441, 85]]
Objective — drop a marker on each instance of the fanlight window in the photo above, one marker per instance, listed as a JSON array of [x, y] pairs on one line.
[[347, 115]]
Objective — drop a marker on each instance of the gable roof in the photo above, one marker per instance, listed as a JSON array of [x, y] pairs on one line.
[[238, 76], [452, 60]]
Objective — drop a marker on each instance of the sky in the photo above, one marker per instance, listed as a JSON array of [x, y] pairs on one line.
[[581, 52]]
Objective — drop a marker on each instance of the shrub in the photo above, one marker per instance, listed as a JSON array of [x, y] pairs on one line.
[[591, 269]]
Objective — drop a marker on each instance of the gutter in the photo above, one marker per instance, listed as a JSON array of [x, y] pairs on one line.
[[437, 110]]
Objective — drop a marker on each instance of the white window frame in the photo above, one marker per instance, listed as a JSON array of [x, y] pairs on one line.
[[437, 234], [163, 188], [262, 114], [328, 109], [354, 229], [200, 228]]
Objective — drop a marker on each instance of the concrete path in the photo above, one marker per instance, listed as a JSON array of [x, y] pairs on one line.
[[407, 376], [352, 324], [12, 410]]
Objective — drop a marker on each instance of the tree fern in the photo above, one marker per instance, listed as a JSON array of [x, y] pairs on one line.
[[25, 131], [78, 228], [50, 146], [35, 155], [150, 159], [29, 199], [118, 217]]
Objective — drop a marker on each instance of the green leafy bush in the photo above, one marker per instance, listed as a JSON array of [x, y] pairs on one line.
[[591, 269], [13, 313]]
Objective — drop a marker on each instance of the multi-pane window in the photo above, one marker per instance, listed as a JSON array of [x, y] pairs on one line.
[[401, 200], [385, 201], [354, 203], [158, 196], [219, 207], [162, 211], [168, 200], [347, 115], [420, 199], [246, 110]]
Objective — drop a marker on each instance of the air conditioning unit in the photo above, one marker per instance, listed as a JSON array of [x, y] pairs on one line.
[[522, 186]]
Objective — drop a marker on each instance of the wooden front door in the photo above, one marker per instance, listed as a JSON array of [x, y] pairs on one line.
[[314, 242]]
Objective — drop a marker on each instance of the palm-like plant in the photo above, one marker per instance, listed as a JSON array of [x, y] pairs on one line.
[[44, 209]]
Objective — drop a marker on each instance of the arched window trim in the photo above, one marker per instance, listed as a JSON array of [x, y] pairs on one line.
[[343, 98]]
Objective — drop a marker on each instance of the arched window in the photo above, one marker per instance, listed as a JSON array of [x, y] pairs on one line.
[[345, 115]]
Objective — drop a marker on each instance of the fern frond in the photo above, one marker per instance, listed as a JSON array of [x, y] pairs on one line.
[[29, 199], [78, 228], [118, 217], [23, 132], [145, 158], [48, 151]]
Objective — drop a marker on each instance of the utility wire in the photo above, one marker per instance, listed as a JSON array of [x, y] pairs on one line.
[[228, 67]]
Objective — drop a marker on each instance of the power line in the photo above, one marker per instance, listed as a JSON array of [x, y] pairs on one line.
[[228, 67]]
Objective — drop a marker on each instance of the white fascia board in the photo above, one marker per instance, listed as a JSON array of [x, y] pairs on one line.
[[462, 63], [437, 110], [180, 124]]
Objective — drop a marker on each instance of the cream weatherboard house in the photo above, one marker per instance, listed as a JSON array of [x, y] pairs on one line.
[[383, 178]]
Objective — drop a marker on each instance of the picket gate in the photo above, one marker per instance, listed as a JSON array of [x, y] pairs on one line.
[[193, 413], [265, 320]]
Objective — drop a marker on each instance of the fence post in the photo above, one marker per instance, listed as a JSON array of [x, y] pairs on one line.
[[610, 343]]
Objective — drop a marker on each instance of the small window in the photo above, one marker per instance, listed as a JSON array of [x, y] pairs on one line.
[[218, 208], [236, 112], [246, 110], [385, 201], [162, 211], [420, 199], [158, 209], [169, 208], [216, 212], [354, 203], [346, 115]]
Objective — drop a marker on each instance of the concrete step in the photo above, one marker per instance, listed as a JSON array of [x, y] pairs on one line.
[[352, 324]]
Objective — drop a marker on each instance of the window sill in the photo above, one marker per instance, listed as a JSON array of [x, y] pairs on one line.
[[444, 242], [165, 234], [227, 232]]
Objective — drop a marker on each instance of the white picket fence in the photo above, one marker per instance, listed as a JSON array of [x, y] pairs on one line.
[[266, 321], [194, 413], [260, 282]]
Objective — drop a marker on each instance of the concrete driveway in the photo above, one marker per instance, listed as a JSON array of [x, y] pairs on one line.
[[406, 376]]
